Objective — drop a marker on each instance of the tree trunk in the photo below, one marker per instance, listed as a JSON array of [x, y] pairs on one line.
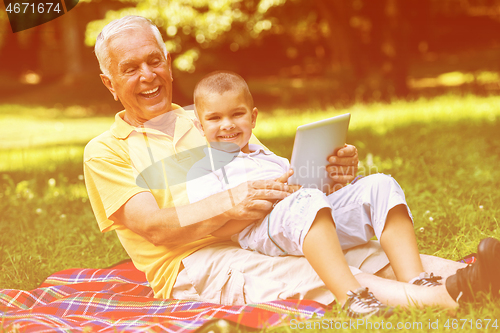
[[336, 13], [72, 46]]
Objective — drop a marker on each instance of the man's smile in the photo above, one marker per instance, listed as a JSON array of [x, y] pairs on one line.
[[151, 93]]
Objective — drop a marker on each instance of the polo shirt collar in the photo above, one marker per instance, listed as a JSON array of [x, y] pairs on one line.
[[254, 148], [121, 129], [257, 149]]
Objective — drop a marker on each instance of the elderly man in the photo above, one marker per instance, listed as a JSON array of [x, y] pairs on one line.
[[167, 237]]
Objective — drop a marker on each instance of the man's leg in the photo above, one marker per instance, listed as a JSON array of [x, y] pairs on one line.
[[258, 278], [439, 266], [239, 276], [226, 274], [464, 282]]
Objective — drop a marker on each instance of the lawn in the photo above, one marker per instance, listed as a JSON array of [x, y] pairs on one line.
[[444, 152]]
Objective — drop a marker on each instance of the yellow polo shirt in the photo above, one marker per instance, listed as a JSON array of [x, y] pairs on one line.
[[127, 160]]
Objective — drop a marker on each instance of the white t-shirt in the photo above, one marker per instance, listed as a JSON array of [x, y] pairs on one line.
[[219, 171]]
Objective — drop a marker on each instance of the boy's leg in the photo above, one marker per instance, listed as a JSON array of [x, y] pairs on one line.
[[396, 293], [376, 205], [400, 244], [302, 224], [322, 249], [378, 202]]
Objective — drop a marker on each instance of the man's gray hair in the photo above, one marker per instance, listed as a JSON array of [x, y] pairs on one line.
[[116, 27]]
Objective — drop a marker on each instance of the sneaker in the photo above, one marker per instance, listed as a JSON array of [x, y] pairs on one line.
[[362, 304], [481, 276], [426, 280]]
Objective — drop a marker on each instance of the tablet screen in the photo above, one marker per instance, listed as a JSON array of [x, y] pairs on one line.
[[313, 143]]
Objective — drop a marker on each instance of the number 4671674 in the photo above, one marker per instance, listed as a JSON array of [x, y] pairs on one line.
[[27, 8], [471, 324]]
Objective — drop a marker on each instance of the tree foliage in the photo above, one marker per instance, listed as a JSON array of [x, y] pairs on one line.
[[340, 50], [192, 25], [343, 37]]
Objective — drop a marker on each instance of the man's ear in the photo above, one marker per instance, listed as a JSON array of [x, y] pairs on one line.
[[255, 112], [169, 61], [107, 82]]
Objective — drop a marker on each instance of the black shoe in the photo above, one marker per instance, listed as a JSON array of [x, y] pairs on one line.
[[480, 276], [362, 304], [426, 280]]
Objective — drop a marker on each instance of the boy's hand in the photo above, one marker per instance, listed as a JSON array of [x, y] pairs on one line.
[[284, 178], [343, 167]]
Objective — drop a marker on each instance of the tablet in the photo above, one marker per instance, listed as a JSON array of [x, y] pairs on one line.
[[313, 143]]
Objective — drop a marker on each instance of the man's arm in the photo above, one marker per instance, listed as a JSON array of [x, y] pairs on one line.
[[343, 167], [180, 225]]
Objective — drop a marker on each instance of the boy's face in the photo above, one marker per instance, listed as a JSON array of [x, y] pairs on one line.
[[227, 118]]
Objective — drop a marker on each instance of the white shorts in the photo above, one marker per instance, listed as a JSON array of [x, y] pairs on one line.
[[359, 214], [282, 232], [360, 209], [226, 274]]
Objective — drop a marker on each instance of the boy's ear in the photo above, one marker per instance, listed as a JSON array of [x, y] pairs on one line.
[[197, 122], [107, 82], [199, 126], [255, 112]]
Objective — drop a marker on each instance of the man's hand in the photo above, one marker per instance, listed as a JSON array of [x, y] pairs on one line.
[[257, 204], [343, 167], [254, 200]]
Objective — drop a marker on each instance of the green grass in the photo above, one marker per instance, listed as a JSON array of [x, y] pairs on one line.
[[444, 152], [46, 223]]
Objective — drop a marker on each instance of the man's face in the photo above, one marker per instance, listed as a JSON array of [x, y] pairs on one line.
[[140, 75], [227, 118]]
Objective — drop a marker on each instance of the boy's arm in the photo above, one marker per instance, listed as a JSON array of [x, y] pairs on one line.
[[203, 183]]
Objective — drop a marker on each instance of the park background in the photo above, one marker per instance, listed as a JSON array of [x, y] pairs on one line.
[[420, 78]]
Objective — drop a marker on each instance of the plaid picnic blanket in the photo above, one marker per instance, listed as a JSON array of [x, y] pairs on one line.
[[119, 299]]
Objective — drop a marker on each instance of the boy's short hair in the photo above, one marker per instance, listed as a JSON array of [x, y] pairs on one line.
[[219, 82]]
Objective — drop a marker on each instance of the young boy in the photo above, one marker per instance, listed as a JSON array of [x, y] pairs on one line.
[[308, 222]]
